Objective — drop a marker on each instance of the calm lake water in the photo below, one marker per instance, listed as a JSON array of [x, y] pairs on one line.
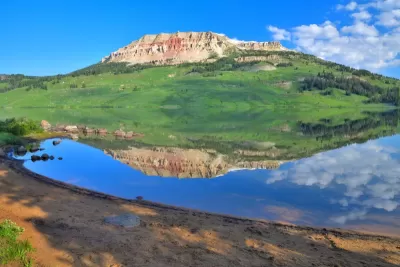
[[354, 187]]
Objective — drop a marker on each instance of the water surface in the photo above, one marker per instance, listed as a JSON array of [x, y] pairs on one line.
[[355, 187]]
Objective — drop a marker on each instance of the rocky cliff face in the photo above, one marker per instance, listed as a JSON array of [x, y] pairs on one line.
[[183, 163], [180, 47]]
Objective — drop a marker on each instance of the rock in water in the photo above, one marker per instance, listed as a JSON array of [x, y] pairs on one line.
[[45, 125], [127, 220], [56, 142], [45, 157]]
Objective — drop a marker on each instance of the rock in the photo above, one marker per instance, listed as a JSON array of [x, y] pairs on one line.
[[21, 150], [88, 130], [35, 158], [175, 48], [45, 157], [74, 136], [60, 158], [129, 135], [101, 131], [56, 142], [60, 128], [71, 129], [119, 133], [45, 125], [81, 127], [2, 153], [127, 220], [51, 158], [34, 149]]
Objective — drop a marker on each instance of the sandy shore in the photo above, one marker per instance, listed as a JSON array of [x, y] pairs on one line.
[[66, 226]]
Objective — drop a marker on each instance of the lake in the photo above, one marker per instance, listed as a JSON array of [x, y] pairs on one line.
[[355, 186]]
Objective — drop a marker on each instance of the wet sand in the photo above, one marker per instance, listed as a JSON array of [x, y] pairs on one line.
[[66, 226]]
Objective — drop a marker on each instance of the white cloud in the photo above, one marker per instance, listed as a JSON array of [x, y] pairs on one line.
[[370, 41], [389, 18], [360, 28], [387, 4], [350, 6], [362, 15], [369, 175], [279, 34]]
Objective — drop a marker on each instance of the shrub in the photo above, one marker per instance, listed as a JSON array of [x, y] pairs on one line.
[[19, 127]]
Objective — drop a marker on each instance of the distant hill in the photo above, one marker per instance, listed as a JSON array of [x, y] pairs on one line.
[[181, 47]]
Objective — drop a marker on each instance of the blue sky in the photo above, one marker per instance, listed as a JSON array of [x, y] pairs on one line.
[[50, 37]]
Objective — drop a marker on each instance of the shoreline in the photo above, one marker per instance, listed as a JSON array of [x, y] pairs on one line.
[[65, 224], [18, 167]]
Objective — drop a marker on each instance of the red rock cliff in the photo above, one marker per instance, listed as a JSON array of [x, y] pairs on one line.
[[176, 48]]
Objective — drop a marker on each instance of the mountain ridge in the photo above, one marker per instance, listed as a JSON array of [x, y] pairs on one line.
[[184, 47]]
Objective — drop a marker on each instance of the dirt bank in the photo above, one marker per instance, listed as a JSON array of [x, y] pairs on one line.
[[66, 227]]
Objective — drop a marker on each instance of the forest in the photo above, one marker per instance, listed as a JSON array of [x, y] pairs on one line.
[[352, 85]]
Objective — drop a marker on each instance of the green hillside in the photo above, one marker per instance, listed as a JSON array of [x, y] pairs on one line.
[[291, 80]]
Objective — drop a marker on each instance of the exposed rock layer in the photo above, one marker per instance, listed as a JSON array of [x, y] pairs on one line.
[[184, 163], [180, 47]]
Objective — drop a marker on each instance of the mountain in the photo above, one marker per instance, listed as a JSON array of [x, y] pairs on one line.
[[180, 47]]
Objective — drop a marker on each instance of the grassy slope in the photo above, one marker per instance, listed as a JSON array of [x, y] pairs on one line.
[[229, 89]]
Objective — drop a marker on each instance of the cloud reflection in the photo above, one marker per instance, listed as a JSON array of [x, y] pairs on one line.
[[369, 174]]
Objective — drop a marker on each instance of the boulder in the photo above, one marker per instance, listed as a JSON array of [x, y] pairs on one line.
[[21, 150], [129, 135], [60, 158], [56, 142], [60, 128], [34, 149], [101, 131], [35, 158], [88, 130], [71, 129], [51, 158], [74, 136], [45, 125], [45, 157], [119, 133]]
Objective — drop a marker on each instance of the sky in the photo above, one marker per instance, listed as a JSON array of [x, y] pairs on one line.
[[45, 37]]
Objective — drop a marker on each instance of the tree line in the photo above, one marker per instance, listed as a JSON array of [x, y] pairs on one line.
[[351, 85]]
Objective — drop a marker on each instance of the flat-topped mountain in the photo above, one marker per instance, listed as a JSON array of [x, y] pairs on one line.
[[180, 47]]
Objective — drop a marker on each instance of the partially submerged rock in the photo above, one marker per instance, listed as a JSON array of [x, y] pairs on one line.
[[127, 220], [45, 157], [56, 142], [35, 158]]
